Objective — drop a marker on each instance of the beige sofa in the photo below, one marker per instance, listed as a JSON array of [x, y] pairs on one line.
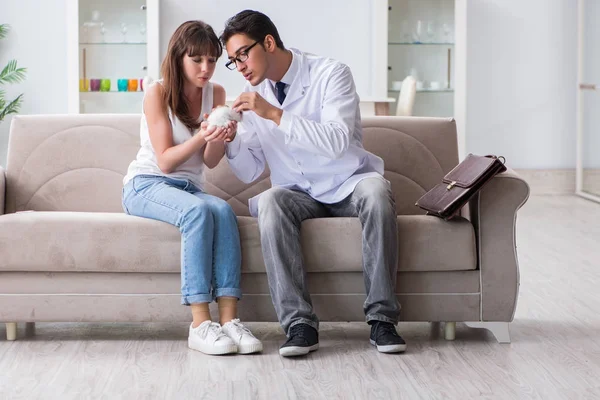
[[78, 257]]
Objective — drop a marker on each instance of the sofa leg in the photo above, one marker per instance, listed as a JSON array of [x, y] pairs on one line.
[[11, 331], [29, 329], [499, 329], [450, 330]]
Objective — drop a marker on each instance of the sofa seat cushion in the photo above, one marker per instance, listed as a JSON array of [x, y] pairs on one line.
[[85, 241], [425, 243], [115, 242]]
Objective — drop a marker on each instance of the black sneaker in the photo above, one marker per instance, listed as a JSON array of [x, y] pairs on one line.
[[303, 339], [385, 337]]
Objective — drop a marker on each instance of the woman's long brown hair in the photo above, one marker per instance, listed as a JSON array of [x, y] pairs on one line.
[[194, 38]]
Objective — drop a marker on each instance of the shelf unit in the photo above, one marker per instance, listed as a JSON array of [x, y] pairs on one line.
[[110, 40], [426, 91], [421, 43], [113, 44]]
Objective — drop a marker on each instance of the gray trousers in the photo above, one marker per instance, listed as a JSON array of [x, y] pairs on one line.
[[280, 213]]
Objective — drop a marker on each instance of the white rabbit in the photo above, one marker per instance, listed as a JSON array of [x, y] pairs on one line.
[[221, 115]]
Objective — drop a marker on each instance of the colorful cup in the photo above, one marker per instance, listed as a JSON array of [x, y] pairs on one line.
[[105, 85], [84, 85], [94, 85], [133, 85], [122, 85]]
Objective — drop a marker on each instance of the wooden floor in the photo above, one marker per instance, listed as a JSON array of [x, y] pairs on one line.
[[555, 350]]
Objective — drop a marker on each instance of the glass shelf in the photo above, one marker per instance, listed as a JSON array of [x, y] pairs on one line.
[[419, 44], [113, 44], [112, 91], [427, 91]]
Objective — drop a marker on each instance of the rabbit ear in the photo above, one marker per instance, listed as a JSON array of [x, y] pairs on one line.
[[235, 116]]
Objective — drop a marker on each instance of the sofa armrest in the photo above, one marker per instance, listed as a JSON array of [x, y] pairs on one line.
[[2, 190], [494, 216]]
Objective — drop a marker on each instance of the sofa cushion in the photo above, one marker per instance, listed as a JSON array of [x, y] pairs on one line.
[[425, 243], [109, 242], [81, 241]]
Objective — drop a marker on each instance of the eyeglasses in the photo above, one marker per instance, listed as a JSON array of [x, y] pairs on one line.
[[242, 57]]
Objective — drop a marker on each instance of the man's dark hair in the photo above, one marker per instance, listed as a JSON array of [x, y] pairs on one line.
[[253, 24]]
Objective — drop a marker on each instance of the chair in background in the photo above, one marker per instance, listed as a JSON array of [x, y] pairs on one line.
[[406, 98]]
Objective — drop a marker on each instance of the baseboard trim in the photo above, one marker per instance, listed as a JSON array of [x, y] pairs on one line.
[[549, 181], [560, 181]]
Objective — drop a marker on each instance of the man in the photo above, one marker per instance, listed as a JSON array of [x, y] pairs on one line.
[[302, 118]]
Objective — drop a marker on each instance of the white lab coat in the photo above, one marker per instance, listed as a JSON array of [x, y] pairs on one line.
[[317, 147]]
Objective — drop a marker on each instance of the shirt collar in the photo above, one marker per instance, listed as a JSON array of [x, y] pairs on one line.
[[291, 73]]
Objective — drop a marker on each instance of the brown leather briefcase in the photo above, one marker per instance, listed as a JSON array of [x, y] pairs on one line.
[[446, 199]]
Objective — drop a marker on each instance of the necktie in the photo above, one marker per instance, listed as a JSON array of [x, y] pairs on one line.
[[280, 88]]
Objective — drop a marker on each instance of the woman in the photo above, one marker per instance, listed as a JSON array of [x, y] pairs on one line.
[[165, 182]]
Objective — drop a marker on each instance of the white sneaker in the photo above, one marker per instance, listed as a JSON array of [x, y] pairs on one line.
[[208, 337], [243, 338]]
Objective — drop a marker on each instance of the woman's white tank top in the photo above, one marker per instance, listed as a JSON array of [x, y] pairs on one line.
[[146, 163]]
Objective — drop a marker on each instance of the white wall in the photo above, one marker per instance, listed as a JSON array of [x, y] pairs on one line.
[[38, 41], [521, 81], [341, 29], [521, 73]]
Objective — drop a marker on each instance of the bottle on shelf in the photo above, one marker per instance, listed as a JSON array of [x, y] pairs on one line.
[[124, 31], [92, 30]]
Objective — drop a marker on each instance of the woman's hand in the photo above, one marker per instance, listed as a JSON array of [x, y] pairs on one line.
[[213, 133]]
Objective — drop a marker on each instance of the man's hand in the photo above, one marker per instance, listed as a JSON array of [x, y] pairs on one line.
[[252, 101], [231, 130]]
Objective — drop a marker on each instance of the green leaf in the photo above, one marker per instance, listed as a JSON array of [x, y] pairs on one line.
[[12, 74], [12, 107], [4, 28]]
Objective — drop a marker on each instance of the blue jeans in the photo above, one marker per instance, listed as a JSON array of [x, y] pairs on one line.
[[210, 241]]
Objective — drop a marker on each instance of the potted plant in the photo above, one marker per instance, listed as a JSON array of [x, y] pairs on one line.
[[10, 74]]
